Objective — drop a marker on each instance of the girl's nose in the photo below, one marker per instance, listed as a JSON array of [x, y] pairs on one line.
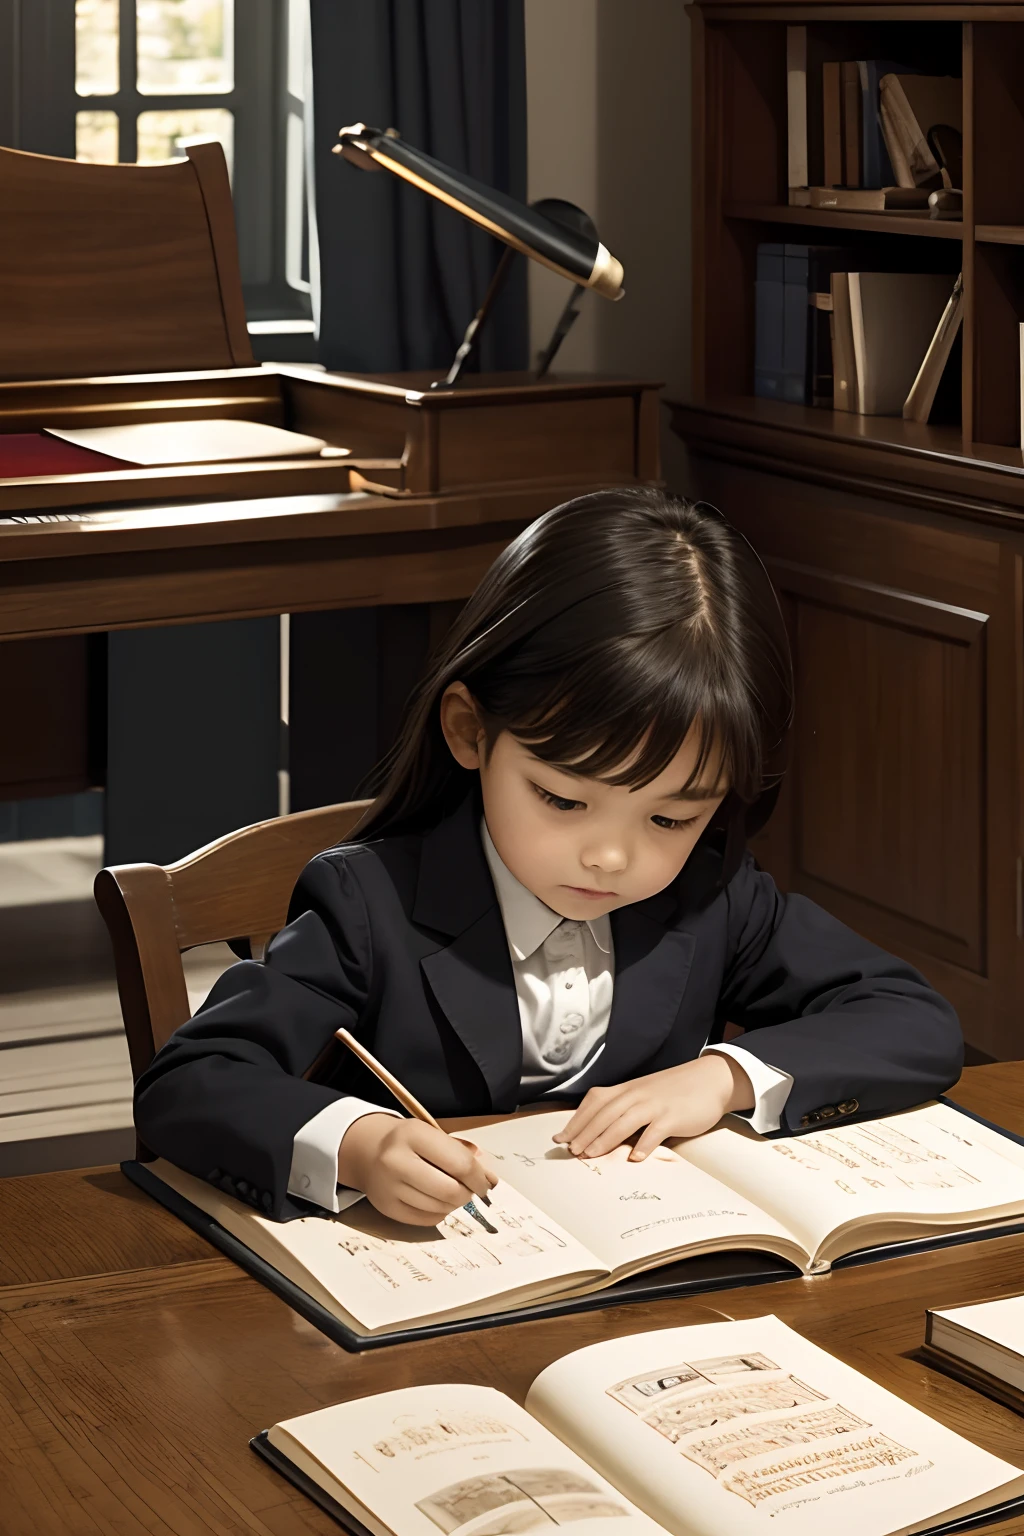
[[609, 857]]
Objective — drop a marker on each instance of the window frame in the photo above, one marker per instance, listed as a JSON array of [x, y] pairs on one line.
[[39, 103]]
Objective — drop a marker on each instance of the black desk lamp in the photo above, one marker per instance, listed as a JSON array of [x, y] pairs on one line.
[[553, 232]]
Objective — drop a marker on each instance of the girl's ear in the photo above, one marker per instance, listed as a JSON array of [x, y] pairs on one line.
[[461, 724]]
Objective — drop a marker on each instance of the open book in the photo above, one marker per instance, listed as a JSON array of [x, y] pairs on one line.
[[560, 1226], [738, 1427]]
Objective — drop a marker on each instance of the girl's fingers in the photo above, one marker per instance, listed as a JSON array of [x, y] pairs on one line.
[[592, 1105], [652, 1137], [426, 1204], [412, 1215], [595, 1106], [620, 1129], [453, 1158], [608, 1114], [433, 1186]]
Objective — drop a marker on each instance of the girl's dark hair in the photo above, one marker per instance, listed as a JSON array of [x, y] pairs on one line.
[[605, 631]]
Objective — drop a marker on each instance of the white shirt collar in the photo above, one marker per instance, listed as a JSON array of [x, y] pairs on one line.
[[528, 920]]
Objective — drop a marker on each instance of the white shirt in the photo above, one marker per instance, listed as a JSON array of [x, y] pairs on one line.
[[565, 976]]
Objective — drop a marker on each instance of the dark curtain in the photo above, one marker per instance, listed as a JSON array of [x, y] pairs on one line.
[[400, 278], [400, 274]]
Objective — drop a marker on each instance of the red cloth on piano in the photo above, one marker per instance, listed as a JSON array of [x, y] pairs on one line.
[[23, 454]]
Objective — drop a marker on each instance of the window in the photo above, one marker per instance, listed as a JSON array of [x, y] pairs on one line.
[[140, 80]]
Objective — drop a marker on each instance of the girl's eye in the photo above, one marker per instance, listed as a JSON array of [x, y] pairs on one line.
[[670, 825], [559, 802]]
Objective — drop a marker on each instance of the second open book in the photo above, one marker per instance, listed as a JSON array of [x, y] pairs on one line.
[[734, 1427], [559, 1226]]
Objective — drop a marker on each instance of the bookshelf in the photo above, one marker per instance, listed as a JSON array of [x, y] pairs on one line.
[[897, 546]]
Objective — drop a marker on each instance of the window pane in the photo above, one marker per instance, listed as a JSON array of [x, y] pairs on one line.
[[96, 137], [166, 135], [295, 254], [185, 46], [96, 42], [298, 26]]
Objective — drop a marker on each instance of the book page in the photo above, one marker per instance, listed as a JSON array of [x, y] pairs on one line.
[[747, 1427], [386, 1275], [933, 1165], [453, 1461], [627, 1213]]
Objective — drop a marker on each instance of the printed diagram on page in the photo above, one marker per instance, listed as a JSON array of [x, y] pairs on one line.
[[760, 1432], [524, 1499], [503, 1495]]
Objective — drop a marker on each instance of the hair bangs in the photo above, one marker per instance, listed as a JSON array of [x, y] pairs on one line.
[[589, 724]]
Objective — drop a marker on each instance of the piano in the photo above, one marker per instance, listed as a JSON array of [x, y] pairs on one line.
[[120, 303]]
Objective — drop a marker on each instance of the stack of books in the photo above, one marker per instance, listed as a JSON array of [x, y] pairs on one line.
[[829, 333], [870, 135]]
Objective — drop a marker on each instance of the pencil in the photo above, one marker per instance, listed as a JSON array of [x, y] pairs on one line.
[[407, 1100]]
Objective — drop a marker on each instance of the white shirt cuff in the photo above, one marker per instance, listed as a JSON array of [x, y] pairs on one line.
[[771, 1087], [314, 1170]]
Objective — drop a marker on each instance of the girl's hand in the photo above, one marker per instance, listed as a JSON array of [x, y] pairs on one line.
[[682, 1101], [408, 1170]]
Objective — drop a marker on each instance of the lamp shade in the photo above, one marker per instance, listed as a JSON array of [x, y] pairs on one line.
[[575, 254]]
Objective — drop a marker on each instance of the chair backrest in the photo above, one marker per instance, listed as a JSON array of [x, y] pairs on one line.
[[236, 887], [115, 269]]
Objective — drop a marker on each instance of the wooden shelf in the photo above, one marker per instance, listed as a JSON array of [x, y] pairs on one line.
[[1000, 234], [827, 218], [892, 432]]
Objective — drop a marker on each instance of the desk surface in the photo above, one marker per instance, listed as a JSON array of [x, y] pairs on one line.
[[134, 1365]]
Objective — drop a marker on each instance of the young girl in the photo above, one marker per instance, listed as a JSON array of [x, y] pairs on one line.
[[550, 899]]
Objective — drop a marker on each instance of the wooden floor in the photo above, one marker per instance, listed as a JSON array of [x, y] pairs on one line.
[[65, 1081]]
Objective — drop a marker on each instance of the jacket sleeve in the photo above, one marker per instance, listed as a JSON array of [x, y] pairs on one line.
[[860, 1032], [225, 1096]]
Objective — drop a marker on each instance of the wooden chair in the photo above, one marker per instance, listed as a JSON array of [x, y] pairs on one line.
[[238, 886], [118, 269]]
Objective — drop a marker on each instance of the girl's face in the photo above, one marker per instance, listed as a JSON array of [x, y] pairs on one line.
[[583, 846]]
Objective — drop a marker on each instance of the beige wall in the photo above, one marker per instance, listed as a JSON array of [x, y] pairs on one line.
[[609, 129]]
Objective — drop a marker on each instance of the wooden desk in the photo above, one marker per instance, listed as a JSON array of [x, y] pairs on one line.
[[129, 1395]]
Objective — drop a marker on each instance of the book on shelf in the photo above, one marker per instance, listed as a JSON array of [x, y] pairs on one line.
[[866, 126], [832, 122], [921, 398], [911, 106], [792, 340], [565, 1227], [869, 199], [696, 1431], [853, 130], [769, 322], [796, 112], [883, 324], [876, 165], [983, 1345]]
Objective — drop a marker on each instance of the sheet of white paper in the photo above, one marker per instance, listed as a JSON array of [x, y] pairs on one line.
[[191, 442]]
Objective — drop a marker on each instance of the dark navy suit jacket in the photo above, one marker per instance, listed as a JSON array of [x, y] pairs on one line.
[[401, 941]]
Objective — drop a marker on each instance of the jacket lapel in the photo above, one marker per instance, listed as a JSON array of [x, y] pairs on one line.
[[652, 966], [471, 977]]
